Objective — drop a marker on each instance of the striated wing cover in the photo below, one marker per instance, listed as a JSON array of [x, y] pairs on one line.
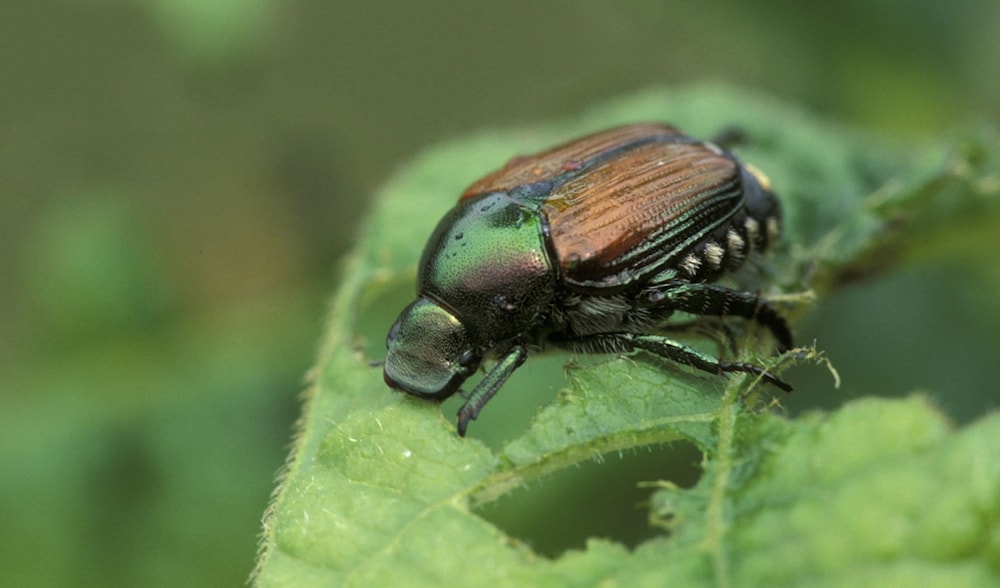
[[623, 204]]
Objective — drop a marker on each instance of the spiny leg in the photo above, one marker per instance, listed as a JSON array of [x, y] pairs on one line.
[[714, 328], [669, 349], [716, 300]]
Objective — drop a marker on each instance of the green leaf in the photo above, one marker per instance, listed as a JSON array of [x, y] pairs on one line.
[[380, 490], [881, 493]]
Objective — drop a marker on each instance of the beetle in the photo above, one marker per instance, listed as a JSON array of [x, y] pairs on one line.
[[590, 246]]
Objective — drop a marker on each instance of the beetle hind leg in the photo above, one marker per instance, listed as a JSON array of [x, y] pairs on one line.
[[716, 300]]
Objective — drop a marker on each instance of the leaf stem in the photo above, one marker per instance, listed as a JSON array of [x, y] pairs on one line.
[[715, 515]]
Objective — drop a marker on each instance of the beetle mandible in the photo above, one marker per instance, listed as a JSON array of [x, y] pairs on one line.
[[590, 247]]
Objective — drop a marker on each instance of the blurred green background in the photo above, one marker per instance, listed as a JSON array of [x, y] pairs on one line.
[[179, 179]]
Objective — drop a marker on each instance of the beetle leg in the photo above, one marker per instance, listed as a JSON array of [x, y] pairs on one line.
[[715, 300], [489, 385], [669, 349], [716, 329], [730, 136]]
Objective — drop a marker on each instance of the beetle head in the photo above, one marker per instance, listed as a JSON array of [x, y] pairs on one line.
[[430, 351]]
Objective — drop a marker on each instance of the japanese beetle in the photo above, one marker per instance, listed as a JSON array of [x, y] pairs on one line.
[[590, 246]]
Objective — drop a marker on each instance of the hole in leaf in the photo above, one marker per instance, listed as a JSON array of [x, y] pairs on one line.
[[601, 499]]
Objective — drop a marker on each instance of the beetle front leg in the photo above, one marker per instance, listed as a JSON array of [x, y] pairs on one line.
[[668, 349], [715, 300], [488, 387]]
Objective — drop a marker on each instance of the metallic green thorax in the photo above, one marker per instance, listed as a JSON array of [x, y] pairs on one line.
[[487, 263]]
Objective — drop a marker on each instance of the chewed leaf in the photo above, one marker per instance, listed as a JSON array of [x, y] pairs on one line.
[[380, 490]]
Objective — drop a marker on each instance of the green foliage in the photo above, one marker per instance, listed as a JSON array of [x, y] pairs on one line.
[[381, 491]]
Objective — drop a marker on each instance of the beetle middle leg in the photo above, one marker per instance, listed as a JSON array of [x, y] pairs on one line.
[[715, 328], [716, 300], [668, 349]]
